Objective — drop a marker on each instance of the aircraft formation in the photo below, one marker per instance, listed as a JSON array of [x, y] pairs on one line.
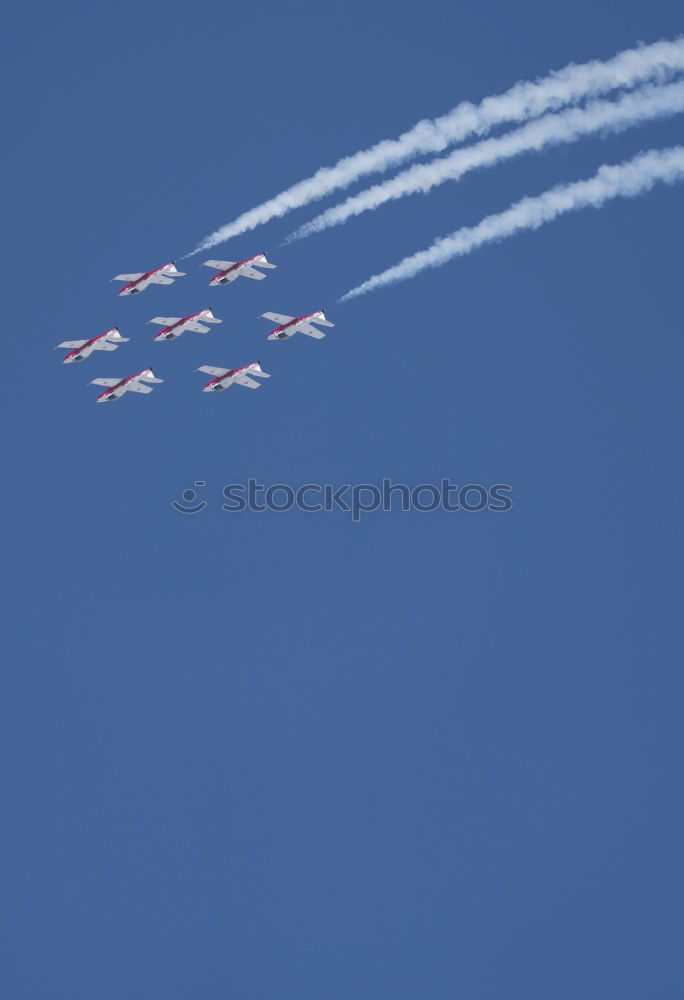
[[173, 326]]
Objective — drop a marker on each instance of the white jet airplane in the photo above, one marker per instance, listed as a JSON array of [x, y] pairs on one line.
[[173, 326], [228, 270], [225, 377], [82, 349], [139, 281], [116, 387], [296, 324]]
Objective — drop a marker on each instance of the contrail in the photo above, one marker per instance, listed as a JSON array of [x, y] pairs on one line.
[[552, 129], [658, 62], [625, 180]]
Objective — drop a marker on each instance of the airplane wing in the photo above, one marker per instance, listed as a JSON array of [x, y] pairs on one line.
[[196, 327], [164, 320], [138, 387], [245, 380], [72, 343], [277, 317], [251, 272], [216, 372], [218, 265], [106, 381], [310, 331], [129, 277]]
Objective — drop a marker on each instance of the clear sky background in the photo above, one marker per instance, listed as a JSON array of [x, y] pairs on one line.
[[283, 755]]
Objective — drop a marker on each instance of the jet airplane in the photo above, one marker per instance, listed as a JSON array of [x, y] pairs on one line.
[[116, 387], [225, 377], [82, 349], [173, 326], [228, 270], [296, 324], [139, 280]]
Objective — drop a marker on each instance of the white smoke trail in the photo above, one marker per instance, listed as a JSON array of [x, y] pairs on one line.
[[625, 180], [566, 126], [658, 62]]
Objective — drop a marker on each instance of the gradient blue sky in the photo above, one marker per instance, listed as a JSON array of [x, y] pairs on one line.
[[430, 755]]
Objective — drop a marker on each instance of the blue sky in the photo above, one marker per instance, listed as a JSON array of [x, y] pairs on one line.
[[285, 755]]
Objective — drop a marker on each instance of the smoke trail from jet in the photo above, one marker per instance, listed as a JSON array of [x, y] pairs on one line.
[[656, 62], [553, 129], [624, 180]]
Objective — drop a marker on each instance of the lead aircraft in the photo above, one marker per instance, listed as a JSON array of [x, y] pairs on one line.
[[139, 280], [296, 324], [228, 270]]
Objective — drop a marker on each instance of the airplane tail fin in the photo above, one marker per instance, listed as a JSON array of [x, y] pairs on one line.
[[323, 320]]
